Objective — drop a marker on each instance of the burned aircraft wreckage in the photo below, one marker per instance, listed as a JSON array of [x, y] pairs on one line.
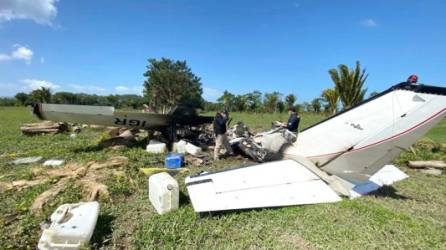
[[345, 155]]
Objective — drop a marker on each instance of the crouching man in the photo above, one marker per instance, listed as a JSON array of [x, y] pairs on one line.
[[221, 140]]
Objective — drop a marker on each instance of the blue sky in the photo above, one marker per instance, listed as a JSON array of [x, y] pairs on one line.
[[102, 46]]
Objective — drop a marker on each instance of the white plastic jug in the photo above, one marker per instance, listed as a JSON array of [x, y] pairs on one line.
[[163, 192], [72, 226], [192, 149], [156, 147], [180, 147]]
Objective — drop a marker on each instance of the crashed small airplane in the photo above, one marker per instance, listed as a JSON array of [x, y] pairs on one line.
[[344, 155], [178, 117]]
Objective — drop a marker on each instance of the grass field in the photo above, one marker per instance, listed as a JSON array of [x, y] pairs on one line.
[[410, 215]]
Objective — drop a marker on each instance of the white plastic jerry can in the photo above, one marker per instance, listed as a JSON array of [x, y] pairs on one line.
[[156, 147], [72, 226], [163, 192]]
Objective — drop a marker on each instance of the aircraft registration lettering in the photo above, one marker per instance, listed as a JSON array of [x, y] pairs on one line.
[[130, 122]]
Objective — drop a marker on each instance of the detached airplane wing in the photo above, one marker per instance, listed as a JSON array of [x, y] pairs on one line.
[[272, 184], [346, 155], [107, 116]]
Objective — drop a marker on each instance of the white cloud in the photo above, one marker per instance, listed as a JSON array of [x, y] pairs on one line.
[[32, 84], [90, 89], [40, 11], [369, 23], [211, 94], [122, 89], [19, 53]]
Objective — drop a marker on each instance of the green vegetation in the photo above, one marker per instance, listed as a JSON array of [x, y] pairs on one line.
[[169, 83], [410, 215], [349, 83]]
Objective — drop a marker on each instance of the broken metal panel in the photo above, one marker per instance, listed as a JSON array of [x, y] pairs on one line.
[[273, 142], [251, 149], [274, 184], [386, 176]]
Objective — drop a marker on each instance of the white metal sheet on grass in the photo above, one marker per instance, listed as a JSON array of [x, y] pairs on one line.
[[274, 184], [386, 176]]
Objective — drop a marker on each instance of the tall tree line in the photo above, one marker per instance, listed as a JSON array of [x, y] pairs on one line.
[[44, 95]]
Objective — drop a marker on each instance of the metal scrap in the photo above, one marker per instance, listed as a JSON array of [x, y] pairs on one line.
[[197, 161], [27, 160]]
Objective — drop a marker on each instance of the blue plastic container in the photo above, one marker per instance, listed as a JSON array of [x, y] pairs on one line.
[[174, 161]]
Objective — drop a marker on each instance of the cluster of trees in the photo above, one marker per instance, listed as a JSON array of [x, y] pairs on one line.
[[44, 95], [169, 83], [253, 102], [258, 102], [348, 91]]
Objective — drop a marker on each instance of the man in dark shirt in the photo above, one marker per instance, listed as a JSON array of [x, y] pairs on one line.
[[221, 140], [293, 121]]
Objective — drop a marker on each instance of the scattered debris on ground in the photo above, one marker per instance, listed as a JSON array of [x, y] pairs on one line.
[[88, 176], [27, 160], [49, 194], [427, 164], [197, 161], [431, 171], [154, 170], [46, 127], [76, 129], [22, 184], [125, 138], [428, 167], [53, 163]]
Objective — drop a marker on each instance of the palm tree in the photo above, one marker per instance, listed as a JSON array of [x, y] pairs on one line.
[[349, 84], [331, 97]]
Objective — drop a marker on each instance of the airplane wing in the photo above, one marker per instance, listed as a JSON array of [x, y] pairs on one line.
[[273, 184], [107, 116]]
